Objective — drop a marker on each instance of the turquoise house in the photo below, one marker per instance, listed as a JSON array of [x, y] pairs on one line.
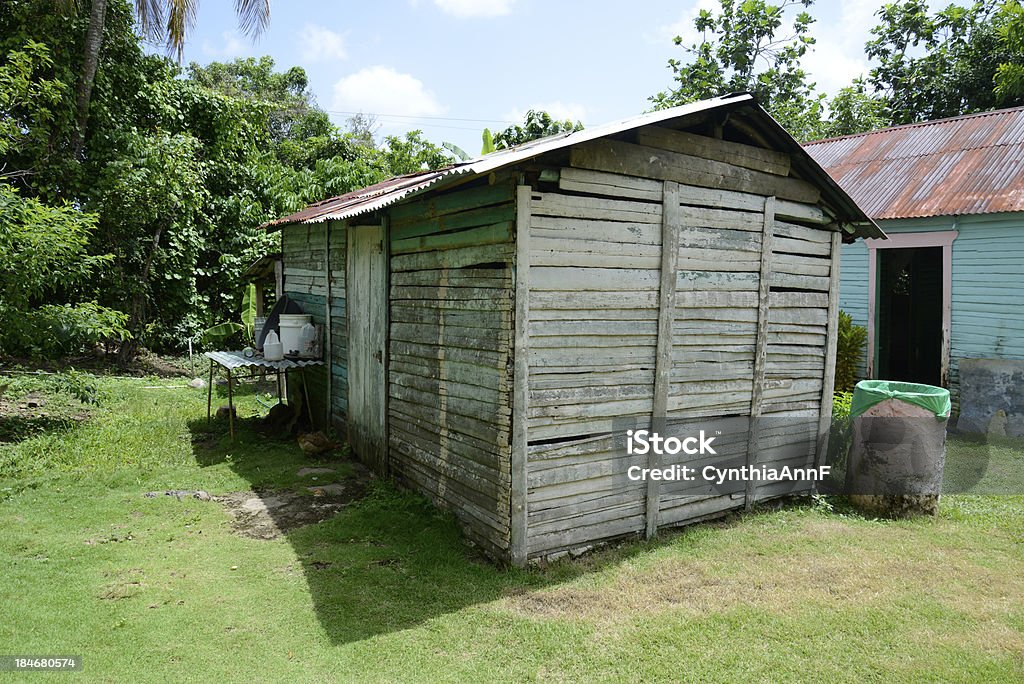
[[948, 284]]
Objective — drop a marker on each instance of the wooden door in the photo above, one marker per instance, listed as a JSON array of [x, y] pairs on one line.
[[367, 303]]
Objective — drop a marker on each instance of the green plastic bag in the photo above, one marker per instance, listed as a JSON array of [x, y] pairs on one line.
[[867, 393]]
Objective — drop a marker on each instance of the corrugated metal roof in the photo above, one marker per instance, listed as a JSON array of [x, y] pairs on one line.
[[389, 192], [971, 164]]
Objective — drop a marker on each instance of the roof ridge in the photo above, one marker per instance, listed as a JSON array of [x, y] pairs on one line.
[[918, 124]]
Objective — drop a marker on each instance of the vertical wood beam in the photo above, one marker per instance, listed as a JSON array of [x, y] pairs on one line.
[[671, 214], [327, 326], [828, 380], [385, 246], [761, 343], [518, 547]]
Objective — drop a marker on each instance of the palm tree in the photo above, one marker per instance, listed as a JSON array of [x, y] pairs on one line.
[[169, 21]]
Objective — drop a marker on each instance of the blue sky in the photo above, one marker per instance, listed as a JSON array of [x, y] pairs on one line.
[[451, 67]]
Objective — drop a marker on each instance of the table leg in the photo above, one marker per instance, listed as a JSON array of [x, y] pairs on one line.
[[231, 408], [305, 394], [209, 395], [279, 400]]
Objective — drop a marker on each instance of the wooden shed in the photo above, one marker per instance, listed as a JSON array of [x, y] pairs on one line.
[[491, 324]]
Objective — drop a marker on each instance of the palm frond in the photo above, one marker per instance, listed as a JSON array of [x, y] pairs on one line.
[[181, 17], [253, 16], [150, 14]]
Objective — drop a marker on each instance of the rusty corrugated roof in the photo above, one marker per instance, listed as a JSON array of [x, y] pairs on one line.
[[971, 164], [391, 191]]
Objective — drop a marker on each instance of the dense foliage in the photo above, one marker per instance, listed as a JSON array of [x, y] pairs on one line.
[[177, 171], [924, 65], [536, 124], [850, 342]]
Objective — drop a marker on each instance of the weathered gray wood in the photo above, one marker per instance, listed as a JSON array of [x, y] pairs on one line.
[[829, 371], [594, 208], [609, 184], [761, 349], [747, 156], [651, 162], [452, 258], [367, 280], [518, 547], [672, 218]]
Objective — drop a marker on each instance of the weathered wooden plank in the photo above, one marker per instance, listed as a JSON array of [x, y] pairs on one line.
[[453, 258], [761, 349], [594, 300], [547, 252], [451, 202], [609, 184], [672, 217], [519, 531], [434, 419], [747, 156], [628, 232], [820, 235], [801, 265], [460, 277], [716, 280], [451, 371], [795, 211], [577, 206], [483, 235], [829, 370], [799, 282], [471, 218], [595, 378], [571, 279], [650, 162], [720, 239], [792, 246]]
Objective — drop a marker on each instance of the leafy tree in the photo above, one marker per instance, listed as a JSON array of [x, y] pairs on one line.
[[743, 47], [536, 124], [855, 110], [952, 62], [43, 256], [1009, 76], [166, 20]]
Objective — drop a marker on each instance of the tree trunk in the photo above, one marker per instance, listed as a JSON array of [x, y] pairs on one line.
[[83, 91], [136, 316]]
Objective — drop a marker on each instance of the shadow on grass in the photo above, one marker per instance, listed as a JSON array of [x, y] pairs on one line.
[[18, 428], [386, 561]]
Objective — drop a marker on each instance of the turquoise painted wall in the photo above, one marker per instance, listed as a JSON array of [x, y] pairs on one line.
[[988, 284]]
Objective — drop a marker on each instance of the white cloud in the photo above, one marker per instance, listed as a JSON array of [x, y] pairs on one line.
[[558, 110], [838, 55], [231, 46], [475, 8], [382, 90], [320, 44]]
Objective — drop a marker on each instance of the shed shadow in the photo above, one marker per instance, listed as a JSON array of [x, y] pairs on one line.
[[383, 561]]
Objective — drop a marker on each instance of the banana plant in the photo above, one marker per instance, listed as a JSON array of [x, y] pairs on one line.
[[223, 331]]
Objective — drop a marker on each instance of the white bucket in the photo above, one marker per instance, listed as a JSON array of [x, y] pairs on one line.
[[291, 332]]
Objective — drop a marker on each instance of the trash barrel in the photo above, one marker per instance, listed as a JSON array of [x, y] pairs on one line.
[[898, 447]]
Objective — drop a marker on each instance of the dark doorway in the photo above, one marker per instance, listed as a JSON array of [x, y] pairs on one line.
[[910, 314]]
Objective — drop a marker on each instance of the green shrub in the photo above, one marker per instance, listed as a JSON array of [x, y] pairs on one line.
[[849, 352]]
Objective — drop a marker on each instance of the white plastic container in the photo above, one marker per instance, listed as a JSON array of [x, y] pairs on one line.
[[291, 332], [273, 350], [309, 338]]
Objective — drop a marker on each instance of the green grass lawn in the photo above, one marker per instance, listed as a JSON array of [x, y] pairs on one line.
[[157, 589]]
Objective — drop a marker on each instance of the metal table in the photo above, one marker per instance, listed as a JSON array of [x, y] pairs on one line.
[[233, 360]]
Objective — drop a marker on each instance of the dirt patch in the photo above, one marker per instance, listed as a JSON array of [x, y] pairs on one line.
[[270, 514], [850, 571]]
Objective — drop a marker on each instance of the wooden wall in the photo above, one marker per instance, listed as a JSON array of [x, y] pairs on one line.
[[304, 249], [450, 354], [736, 326]]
